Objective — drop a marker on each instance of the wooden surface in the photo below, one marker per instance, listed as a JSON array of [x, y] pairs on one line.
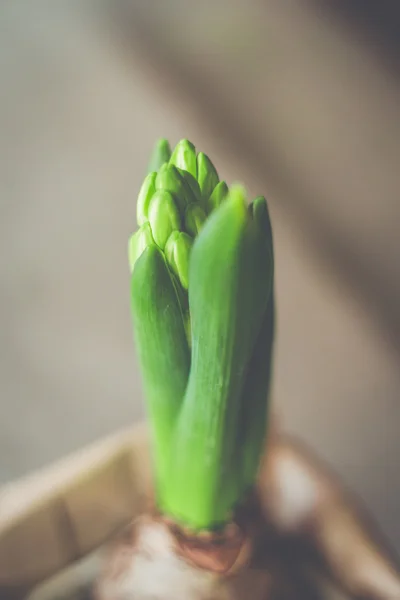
[[53, 525]]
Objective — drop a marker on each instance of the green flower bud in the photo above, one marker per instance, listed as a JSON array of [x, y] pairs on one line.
[[138, 242], [146, 192], [177, 252], [184, 157], [207, 176], [220, 192], [194, 219], [161, 155], [164, 217], [194, 188], [169, 179]]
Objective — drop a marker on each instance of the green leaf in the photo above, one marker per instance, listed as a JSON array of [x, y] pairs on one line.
[[255, 402], [261, 216], [163, 352], [256, 394], [229, 276]]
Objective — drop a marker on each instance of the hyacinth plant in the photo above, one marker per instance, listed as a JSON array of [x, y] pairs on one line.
[[203, 315]]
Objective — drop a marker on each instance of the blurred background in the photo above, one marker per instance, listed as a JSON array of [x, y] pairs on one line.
[[300, 101]]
